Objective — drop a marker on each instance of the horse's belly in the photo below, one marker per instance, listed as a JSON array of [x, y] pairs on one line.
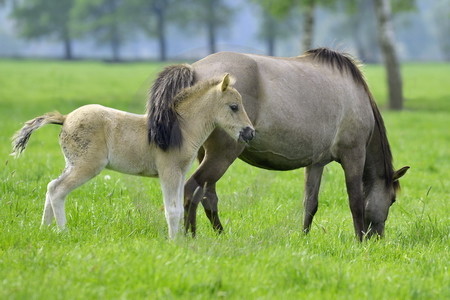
[[132, 168]]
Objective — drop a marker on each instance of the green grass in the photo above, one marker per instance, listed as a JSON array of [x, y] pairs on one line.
[[117, 246]]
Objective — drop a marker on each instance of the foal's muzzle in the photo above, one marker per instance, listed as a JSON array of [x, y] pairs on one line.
[[247, 134]]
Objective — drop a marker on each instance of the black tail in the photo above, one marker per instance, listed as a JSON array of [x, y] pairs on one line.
[[163, 125]]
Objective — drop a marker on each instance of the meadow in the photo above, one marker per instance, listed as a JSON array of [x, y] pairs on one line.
[[117, 247]]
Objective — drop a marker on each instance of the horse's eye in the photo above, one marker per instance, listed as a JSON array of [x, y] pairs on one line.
[[234, 107]]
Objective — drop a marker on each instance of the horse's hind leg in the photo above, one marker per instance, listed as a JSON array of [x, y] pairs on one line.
[[47, 216], [58, 189], [313, 176]]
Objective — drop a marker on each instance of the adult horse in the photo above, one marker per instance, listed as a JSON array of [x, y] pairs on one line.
[[307, 111]]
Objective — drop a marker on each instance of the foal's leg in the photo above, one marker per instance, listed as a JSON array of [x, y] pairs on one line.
[[313, 176], [353, 164], [172, 180], [58, 189], [47, 216]]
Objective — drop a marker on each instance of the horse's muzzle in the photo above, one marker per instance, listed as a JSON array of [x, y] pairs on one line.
[[247, 134]]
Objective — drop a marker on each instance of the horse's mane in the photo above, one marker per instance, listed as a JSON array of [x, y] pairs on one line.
[[345, 63], [162, 119], [198, 89]]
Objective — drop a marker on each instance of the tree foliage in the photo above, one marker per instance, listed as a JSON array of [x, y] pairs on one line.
[[210, 15], [107, 20], [45, 18]]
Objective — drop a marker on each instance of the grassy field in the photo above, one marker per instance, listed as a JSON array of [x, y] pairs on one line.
[[117, 247]]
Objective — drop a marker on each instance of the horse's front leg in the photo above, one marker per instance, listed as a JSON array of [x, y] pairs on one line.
[[172, 184], [353, 165], [220, 153], [313, 176]]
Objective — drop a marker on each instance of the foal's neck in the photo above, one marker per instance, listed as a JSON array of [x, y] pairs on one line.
[[196, 116]]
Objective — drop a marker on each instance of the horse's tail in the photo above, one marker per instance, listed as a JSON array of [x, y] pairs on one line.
[[20, 139], [346, 63], [162, 120]]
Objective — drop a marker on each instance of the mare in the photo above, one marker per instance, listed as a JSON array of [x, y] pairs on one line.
[[163, 143], [307, 111]]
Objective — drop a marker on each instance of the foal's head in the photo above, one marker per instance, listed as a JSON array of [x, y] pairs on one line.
[[230, 113]]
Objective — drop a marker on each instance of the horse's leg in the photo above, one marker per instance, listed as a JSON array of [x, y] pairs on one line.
[[172, 179], [47, 216], [353, 164], [58, 189], [220, 153], [189, 214], [313, 176], [209, 203]]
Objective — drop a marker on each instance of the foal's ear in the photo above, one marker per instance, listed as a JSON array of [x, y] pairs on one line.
[[225, 82], [400, 172]]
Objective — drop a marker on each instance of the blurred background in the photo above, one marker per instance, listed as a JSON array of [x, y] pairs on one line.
[[117, 30]]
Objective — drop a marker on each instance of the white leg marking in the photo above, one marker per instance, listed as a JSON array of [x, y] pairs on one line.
[[173, 187], [47, 216]]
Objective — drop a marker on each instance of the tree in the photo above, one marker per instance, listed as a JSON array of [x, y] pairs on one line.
[[46, 18], [441, 12], [211, 14], [386, 40], [151, 17], [281, 8], [273, 29], [387, 45], [107, 20]]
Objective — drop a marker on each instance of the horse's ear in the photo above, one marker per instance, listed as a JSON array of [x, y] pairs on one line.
[[225, 82], [400, 172]]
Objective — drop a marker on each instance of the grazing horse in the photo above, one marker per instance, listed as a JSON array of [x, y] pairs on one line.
[[163, 143], [307, 111]]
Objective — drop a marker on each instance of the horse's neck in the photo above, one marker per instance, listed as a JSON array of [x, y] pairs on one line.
[[196, 120], [375, 167]]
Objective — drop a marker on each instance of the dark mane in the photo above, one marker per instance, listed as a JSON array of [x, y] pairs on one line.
[[162, 119], [345, 63]]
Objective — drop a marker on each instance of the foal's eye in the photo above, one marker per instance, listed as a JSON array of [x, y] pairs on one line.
[[234, 107]]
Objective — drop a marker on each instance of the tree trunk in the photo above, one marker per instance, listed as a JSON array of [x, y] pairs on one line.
[[162, 38], [365, 34], [159, 7], [270, 45], [68, 49], [308, 25], [115, 43], [269, 26], [387, 45], [211, 27]]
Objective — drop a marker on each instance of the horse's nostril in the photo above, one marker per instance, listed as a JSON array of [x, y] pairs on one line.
[[247, 134]]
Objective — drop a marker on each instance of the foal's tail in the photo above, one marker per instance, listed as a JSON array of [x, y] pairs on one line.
[[20, 139]]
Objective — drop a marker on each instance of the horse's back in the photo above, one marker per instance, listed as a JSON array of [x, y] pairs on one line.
[[303, 111]]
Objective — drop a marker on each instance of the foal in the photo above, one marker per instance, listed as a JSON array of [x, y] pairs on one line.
[[94, 137]]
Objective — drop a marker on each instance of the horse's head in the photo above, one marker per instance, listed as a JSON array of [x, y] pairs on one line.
[[231, 115], [379, 199]]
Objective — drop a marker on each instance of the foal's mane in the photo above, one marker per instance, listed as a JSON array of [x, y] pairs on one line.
[[345, 63], [162, 119], [174, 85]]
